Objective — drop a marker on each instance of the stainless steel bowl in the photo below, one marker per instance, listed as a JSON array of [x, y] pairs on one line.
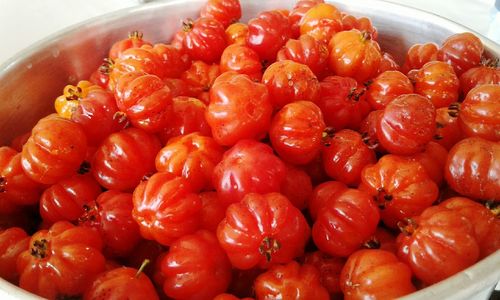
[[30, 81]]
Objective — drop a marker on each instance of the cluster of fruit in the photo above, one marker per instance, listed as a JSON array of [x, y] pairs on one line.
[[286, 158]]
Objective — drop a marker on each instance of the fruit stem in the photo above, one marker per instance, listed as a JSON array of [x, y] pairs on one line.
[[137, 35], [39, 249], [142, 267], [268, 247], [407, 226], [187, 25]]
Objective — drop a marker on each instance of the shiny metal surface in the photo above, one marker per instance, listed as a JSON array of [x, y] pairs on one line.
[[30, 81]]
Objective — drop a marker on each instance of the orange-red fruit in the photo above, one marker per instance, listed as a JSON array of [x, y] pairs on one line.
[[308, 51], [462, 51], [437, 82], [418, 55], [321, 22], [13, 241], [386, 87]]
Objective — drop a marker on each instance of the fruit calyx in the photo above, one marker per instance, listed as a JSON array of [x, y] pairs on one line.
[[268, 247], [40, 248]]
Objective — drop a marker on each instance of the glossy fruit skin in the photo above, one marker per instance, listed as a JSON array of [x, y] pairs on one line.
[[55, 150], [342, 101], [192, 157], [98, 115], [65, 200], [418, 55], [67, 103], [462, 51], [368, 130], [401, 187], [375, 274], [388, 63], [321, 21], [237, 33], [196, 267], [241, 59], [177, 86], [120, 150], [224, 11], [448, 131], [288, 81], [134, 40], [329, 268], [16, 188], [344, 224], [248, 167], [473, 168], [290, 281], [267, 33], [121, 283], [205, 39], [386, 240], [478, 76], [175, 61], [307, 51], [433, 159], [239, 109], [188, 117], [300, 8], [296, 132], [226, 296], [13, 241], [481, 218], [212, 211], [480, 113], [386, 87], [345, 156], [111, 215], [437, 82], [261, 230], [166, 208], [199, 78], [61, 261], [407, 124], [297, 186], [353, 54], [324, 195], [146, 101], [442, 244]]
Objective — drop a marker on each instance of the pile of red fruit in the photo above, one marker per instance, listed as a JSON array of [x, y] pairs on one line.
[[286, 158]]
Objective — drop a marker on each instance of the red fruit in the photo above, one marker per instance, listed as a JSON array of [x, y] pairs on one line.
[[134, 40], [324, 195], [300, 8], [241, 59], [199, 79], [19, 141], [191, 156], [290, 281], [321, 21], [262, 230], [346, 155], [239, 109], [307, 51], [487, 74], [368, 130], [437, 82], [448, 131], [482, 219], [188, 117], [437, 244], [175, 61], [297, 186], [237, 33], [61, 262], [433, 159], [345, 223], [418, 55], [329, 270], [383, 239], [54, 151], [111, 215], [288, 81], [146, 101], [480, 112], [16, 188], [248, 167], [166, 208], [386, 87], [121, 283], [267, 33], [212, 211], [65, 200], [205, 39], [362, 24], [401, 187], [375, 274], [407, 124], [388, 63], [473, 168], [296, 132], [224, 11], [149, 250], [342, 101], [462, 51], [13, 241], [354, 54], [196, 267]]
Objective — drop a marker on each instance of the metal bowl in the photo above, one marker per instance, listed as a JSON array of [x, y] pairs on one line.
[[31, 80]]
